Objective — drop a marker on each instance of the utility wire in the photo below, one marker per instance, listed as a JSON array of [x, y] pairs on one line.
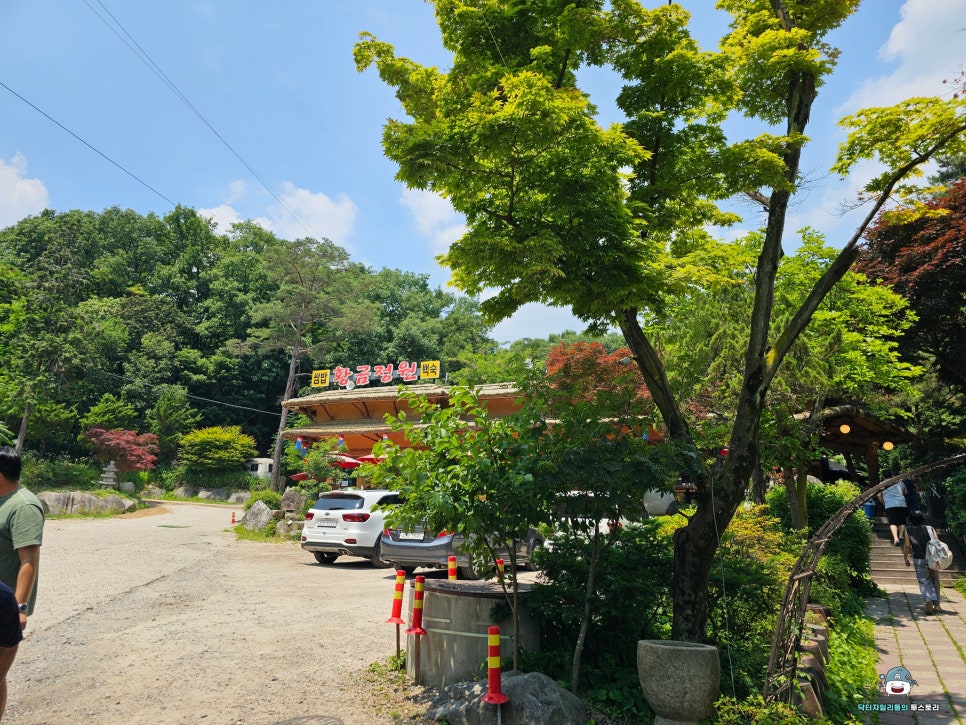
[[193, 397], [92, 148], [145, 58]]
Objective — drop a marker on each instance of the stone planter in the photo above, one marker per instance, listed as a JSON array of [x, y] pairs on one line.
[[680, 679]]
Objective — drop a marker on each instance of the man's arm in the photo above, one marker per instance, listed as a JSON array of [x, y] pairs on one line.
[[29, 561]]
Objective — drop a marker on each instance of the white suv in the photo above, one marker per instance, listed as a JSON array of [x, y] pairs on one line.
[[343, 522]]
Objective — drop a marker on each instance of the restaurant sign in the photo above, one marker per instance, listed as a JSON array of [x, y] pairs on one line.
[[406, 372]]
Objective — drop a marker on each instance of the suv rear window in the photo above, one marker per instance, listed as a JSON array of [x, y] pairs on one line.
[[339, 501]]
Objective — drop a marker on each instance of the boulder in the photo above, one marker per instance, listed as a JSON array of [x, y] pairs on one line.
[[292, 500], [257, 517], [152, 492], [534, 699], [239, 496], [219, 494], [75, 502]]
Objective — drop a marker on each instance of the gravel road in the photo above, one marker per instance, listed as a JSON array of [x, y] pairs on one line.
[[161, 616]]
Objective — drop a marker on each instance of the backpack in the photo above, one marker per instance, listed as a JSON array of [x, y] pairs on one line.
[[938, 555]]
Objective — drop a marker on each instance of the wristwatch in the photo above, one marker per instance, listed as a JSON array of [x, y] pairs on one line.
[[22, 607]]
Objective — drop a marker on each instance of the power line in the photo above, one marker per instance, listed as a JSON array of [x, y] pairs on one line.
[[145, 58], [92, 148], [193, 397]]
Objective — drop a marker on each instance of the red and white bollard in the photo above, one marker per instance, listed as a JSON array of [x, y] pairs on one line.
[[494, 679], [397, 602], [452, 568], [232, 518], [417, 626], [397, 599]]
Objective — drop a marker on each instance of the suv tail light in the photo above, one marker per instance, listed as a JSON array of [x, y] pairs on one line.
[[309, 515], [356, 518], [441, 534]]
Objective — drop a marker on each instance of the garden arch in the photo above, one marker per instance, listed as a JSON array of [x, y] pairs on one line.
[[783, 662]]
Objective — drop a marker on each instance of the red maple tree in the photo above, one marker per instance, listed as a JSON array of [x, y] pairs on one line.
[[129, 450], [925, 261]]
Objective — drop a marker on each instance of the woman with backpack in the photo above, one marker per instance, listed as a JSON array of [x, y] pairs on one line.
[[915, 541]]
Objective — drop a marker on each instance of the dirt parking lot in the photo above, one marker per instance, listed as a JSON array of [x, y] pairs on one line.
[[163, 617]]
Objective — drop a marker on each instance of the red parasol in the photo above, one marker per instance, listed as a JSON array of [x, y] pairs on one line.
[[369, 458], [344, 461]]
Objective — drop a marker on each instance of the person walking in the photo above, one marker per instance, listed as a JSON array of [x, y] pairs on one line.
[[894, 501], [21, 534], [916, 539]]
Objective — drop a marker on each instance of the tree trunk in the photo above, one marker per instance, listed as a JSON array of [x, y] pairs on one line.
[[588, 605], [289, 387], [22, 435], [791, 490]]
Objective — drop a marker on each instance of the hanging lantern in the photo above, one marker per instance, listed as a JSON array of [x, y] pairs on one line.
[[888, 445], [845, 428]]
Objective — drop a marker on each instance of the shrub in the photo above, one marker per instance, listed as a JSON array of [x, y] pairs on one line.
[[272, 499], [631, 602], [852, 667], [179, 476], [754, 711], [745, 592], [955, 486], [57, 474], [851, 544], [216, 450]]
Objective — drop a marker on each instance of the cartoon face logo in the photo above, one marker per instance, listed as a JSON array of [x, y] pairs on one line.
[[897, 681]]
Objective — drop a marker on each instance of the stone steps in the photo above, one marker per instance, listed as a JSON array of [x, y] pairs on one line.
[[888, 567]]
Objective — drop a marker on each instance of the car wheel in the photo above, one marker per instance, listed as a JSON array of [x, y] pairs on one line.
[[376, 558], [535, 546], [324, 557], [468, 573]]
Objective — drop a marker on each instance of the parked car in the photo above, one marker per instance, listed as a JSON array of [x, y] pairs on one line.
[[344, 522], [412, 548]]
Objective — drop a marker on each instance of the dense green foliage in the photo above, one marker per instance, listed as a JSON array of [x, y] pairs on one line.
[[632, 600], [847, 555], [613, 222], [58, 474], [161, 325], [955, 487], [216, 450], [272, 499]]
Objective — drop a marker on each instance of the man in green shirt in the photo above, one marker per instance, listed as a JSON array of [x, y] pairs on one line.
[[21, 534]]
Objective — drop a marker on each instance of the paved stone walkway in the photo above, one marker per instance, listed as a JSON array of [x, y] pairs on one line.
[[931, 647]]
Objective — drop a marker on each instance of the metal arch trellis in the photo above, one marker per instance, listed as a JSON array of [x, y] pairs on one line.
[[782, 664]]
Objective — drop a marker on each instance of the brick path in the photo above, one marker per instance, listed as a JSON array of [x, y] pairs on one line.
[[931, 647]]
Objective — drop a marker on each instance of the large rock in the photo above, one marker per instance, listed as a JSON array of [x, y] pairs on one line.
[[239, 496], [75, 502], [534, 699], [292, 500], [257, 517]]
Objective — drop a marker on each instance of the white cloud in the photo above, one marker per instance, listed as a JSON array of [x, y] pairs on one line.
[[19, 196], [223, 216], [324, 217], [435, 218], [927, 45], [302, 213]]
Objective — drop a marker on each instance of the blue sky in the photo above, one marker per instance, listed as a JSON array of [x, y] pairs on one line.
[[274, 84]]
